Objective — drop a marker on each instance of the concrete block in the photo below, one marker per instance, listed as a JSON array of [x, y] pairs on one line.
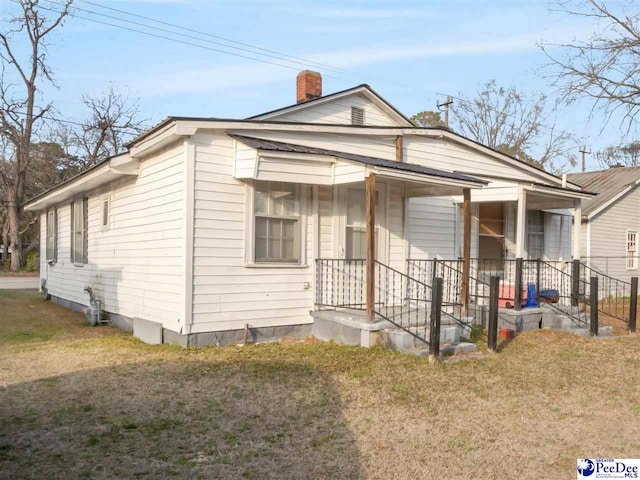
[[398, 339], [147, 331], [520, 320], [174, 338], [465, 328], [450, 334], [458, 348]]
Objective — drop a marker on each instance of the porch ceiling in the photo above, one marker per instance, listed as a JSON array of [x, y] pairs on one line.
[[545, 198]]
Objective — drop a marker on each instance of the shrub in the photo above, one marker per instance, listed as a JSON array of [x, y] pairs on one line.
[[31, 263]]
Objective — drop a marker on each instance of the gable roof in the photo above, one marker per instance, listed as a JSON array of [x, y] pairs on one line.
[[610, 185], [363, 89], [274, 146]]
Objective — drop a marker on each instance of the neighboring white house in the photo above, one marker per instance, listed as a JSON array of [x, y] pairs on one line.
[[209, 226], [611, 221]]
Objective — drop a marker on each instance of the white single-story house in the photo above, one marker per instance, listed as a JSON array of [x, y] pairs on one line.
[[207, 229], [611, 221]]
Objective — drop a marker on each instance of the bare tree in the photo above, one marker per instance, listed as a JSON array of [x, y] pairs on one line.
[[516, 124], [113, 119], [620, 155], [19, 112], [604, 68]]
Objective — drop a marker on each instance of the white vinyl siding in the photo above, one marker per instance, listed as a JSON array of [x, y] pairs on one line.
[[228, 293], [136, 267], [338, 111], [608, 236], [432, 228], [438, 153]]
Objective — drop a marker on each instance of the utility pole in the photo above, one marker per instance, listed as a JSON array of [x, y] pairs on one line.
[[583, 150], [445, 105]]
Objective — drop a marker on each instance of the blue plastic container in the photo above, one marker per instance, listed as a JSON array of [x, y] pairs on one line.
[[531, 296]]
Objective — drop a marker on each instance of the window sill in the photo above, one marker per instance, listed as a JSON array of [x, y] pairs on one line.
[[275, 265]]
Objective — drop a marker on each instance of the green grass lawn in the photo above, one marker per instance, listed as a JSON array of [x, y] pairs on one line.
[[91, 402]]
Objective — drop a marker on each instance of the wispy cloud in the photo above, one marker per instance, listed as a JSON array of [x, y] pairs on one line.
[[237, 75], [373, 12]]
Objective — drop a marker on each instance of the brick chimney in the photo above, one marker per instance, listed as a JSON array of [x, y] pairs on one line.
[[308, 86]]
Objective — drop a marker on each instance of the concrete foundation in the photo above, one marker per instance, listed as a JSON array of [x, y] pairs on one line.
[[120, 321], [147, 331], [230, 337], [153, 333], [347, 327]]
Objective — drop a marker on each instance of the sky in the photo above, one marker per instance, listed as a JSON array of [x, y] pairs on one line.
[[411, 52]]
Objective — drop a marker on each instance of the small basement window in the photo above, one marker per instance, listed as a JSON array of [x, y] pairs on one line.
[[357, 116]]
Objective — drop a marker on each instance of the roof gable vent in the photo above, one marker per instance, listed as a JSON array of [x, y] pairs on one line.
[[357, 116]]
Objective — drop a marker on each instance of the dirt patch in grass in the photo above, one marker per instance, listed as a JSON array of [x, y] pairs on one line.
[[93, 403]]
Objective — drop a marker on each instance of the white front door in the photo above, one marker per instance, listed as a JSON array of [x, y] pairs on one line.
[[352, 229]]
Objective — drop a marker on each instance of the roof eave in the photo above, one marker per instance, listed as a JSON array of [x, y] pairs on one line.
[[101, 174], [363, 88]]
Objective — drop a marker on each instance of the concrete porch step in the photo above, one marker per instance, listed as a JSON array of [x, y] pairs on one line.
[[350, 328], [399, 339], [561, 322], [605, 331], [451, 342]]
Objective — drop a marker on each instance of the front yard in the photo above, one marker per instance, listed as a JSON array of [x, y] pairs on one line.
[[91, 402]]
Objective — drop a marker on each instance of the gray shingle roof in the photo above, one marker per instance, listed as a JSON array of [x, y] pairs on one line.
[[271, 145], [606, 183]]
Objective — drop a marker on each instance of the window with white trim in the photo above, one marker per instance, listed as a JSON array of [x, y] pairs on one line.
[[105, 206], [52, 235], [276, 222], [79, 220], [535, 234], [632, 250]]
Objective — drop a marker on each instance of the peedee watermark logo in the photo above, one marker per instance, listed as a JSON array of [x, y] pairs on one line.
[[609, 468], [585, 467]]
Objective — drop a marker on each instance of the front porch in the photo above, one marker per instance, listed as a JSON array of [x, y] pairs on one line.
[[374, 267]]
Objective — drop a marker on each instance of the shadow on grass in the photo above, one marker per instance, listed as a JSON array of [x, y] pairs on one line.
[[186, 419]]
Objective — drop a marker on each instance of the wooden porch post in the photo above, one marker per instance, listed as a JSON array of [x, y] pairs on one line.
[[577, 229], [466, 250], [371, 244], [521, 222]]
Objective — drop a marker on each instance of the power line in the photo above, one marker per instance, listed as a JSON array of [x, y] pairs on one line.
[[448, 97], [251, 50], [182, 27], [176, 40], [188, 43], [71, 122]]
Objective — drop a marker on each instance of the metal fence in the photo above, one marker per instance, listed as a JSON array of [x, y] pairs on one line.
[[405, 298]]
